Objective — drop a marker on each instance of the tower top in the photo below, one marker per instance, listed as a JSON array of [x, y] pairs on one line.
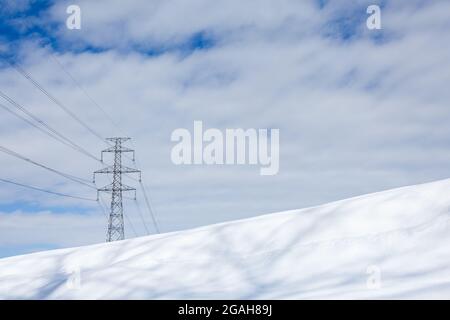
[[118, 139]]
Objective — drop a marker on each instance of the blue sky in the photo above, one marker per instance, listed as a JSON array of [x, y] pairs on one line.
[[35, 25], [358, 110]]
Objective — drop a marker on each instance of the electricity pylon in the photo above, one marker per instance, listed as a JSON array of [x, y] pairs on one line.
[[115, 223]]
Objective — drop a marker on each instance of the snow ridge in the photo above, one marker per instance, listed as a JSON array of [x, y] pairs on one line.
[[327, 251]]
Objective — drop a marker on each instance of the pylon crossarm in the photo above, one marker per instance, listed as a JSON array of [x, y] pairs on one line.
[[127, 188], [122, 149], [124, 169], [106, 188], [110, 188], [122, 139], [105, 170]]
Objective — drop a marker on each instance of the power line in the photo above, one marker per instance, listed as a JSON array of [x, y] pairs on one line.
[[131, 224], [48, 130], [56, 135], [28, 121], [46, 191], [65, 175], [147, 200], [85, 92], [24, 73], [141, 215], [100, 204], [146, 197], [149, 207], [6, 108], [93, 102]]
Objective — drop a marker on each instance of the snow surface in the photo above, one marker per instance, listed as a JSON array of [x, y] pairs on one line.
[[322, 252]]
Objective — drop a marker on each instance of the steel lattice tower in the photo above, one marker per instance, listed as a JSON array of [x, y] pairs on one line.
[[116, 188]]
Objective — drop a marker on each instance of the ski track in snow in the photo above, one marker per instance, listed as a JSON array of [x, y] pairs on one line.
[[321, 252]]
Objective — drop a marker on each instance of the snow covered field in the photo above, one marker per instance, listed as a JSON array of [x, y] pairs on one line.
[[391, 244]]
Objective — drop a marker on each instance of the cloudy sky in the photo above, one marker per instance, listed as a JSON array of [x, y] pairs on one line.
[[358, 110]]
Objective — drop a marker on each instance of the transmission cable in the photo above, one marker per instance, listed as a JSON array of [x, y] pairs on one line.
[[28, 121], [65, 175], [90, 98], [84, 91], [24, 73], [48, 130], [141, 216], [115, 125], [149, 207], [46, 191]]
